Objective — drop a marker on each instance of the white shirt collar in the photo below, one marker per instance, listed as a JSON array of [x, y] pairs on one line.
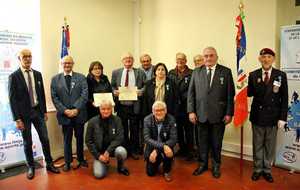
[[212, 68], [269, 71], [70, 74], [24, 70]]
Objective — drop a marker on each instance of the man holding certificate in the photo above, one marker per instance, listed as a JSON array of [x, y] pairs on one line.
[[127, 84]]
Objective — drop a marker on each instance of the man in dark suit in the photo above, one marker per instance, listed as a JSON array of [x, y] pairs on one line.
[[28, 105], [182, 75], [210, 106], [269, 89], [69, 94], [129, 111], [160, 136]]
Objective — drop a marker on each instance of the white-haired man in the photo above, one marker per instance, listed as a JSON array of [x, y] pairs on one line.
[[104, 137], [160, 136]]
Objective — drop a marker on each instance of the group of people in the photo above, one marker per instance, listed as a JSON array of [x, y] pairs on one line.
[[183, 106]]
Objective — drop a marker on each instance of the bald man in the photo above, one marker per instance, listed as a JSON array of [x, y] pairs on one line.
[[28, 106], [69, 92]]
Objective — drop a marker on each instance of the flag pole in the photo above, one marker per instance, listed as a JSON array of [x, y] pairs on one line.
[[241, 7]]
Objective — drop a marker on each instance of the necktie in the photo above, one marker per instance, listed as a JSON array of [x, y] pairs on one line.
[[266, 79], [30, 88], [209, 76], [68, 81], [127, 77]]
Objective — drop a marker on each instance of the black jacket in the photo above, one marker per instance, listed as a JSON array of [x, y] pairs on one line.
[[103, 86], [168, 134], [270, 103], [171, 97], [182, 86], [19, 96], [94, 135]]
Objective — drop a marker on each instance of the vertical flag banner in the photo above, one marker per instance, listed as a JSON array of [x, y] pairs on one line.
[[241, 104], [288, 139], [65, 41]]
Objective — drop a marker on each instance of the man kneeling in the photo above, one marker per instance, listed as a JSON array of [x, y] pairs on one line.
[[104, 137], [160, 136]]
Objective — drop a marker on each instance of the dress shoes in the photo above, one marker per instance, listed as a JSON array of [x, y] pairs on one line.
[[82, 164], [255, 176], [134, 156], [268, 177], [52, 168], [124, 171], [30, 173], [200, 170], [67, 167], [216, 172], [168, 177]]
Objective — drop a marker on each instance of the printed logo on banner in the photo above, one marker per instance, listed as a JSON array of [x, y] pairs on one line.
[[289, 157]]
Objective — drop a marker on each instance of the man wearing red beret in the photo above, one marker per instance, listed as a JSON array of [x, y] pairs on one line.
[[268, 87]]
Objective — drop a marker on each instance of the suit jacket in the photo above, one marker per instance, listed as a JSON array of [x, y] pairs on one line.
[[75, 98], [19, 96], [214, 102], [94, 135], [168, 134], [171, 97], [140, 79], [270, 102]]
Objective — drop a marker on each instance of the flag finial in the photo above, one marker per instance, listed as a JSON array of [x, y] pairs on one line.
[[241, 6], [65, 21]]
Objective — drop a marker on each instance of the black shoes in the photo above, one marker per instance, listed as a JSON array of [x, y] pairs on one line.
[[134, 156], [200, 170], [82, 164], [124, 171], [67, 167], [52, 168], [216, 172], [30, 173], [255, 176], [268, 177]]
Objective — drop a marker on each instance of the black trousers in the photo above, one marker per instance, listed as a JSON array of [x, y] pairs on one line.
[[130, 122], [68, 135], [152, 168], [185, 133], [37, 119], [210, 138]]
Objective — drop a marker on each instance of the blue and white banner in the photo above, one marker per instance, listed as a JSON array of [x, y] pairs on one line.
[[288, 139], [11, 143]]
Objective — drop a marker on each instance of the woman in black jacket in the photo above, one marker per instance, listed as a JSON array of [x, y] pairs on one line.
[[97, 83], [162, 88]]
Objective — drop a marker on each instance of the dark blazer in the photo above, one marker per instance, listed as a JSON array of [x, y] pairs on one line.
[[214, 102], [140, 79], [269, 104], [182, 86], [19, 96], [168, 134], [171, 97], [103, 86], [94, 135], [75, 98]]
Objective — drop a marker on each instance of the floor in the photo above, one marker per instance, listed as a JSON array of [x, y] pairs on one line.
[[232, 179]]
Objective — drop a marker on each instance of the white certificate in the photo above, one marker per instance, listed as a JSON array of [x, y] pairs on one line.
[[128, 93], [99, 97]]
